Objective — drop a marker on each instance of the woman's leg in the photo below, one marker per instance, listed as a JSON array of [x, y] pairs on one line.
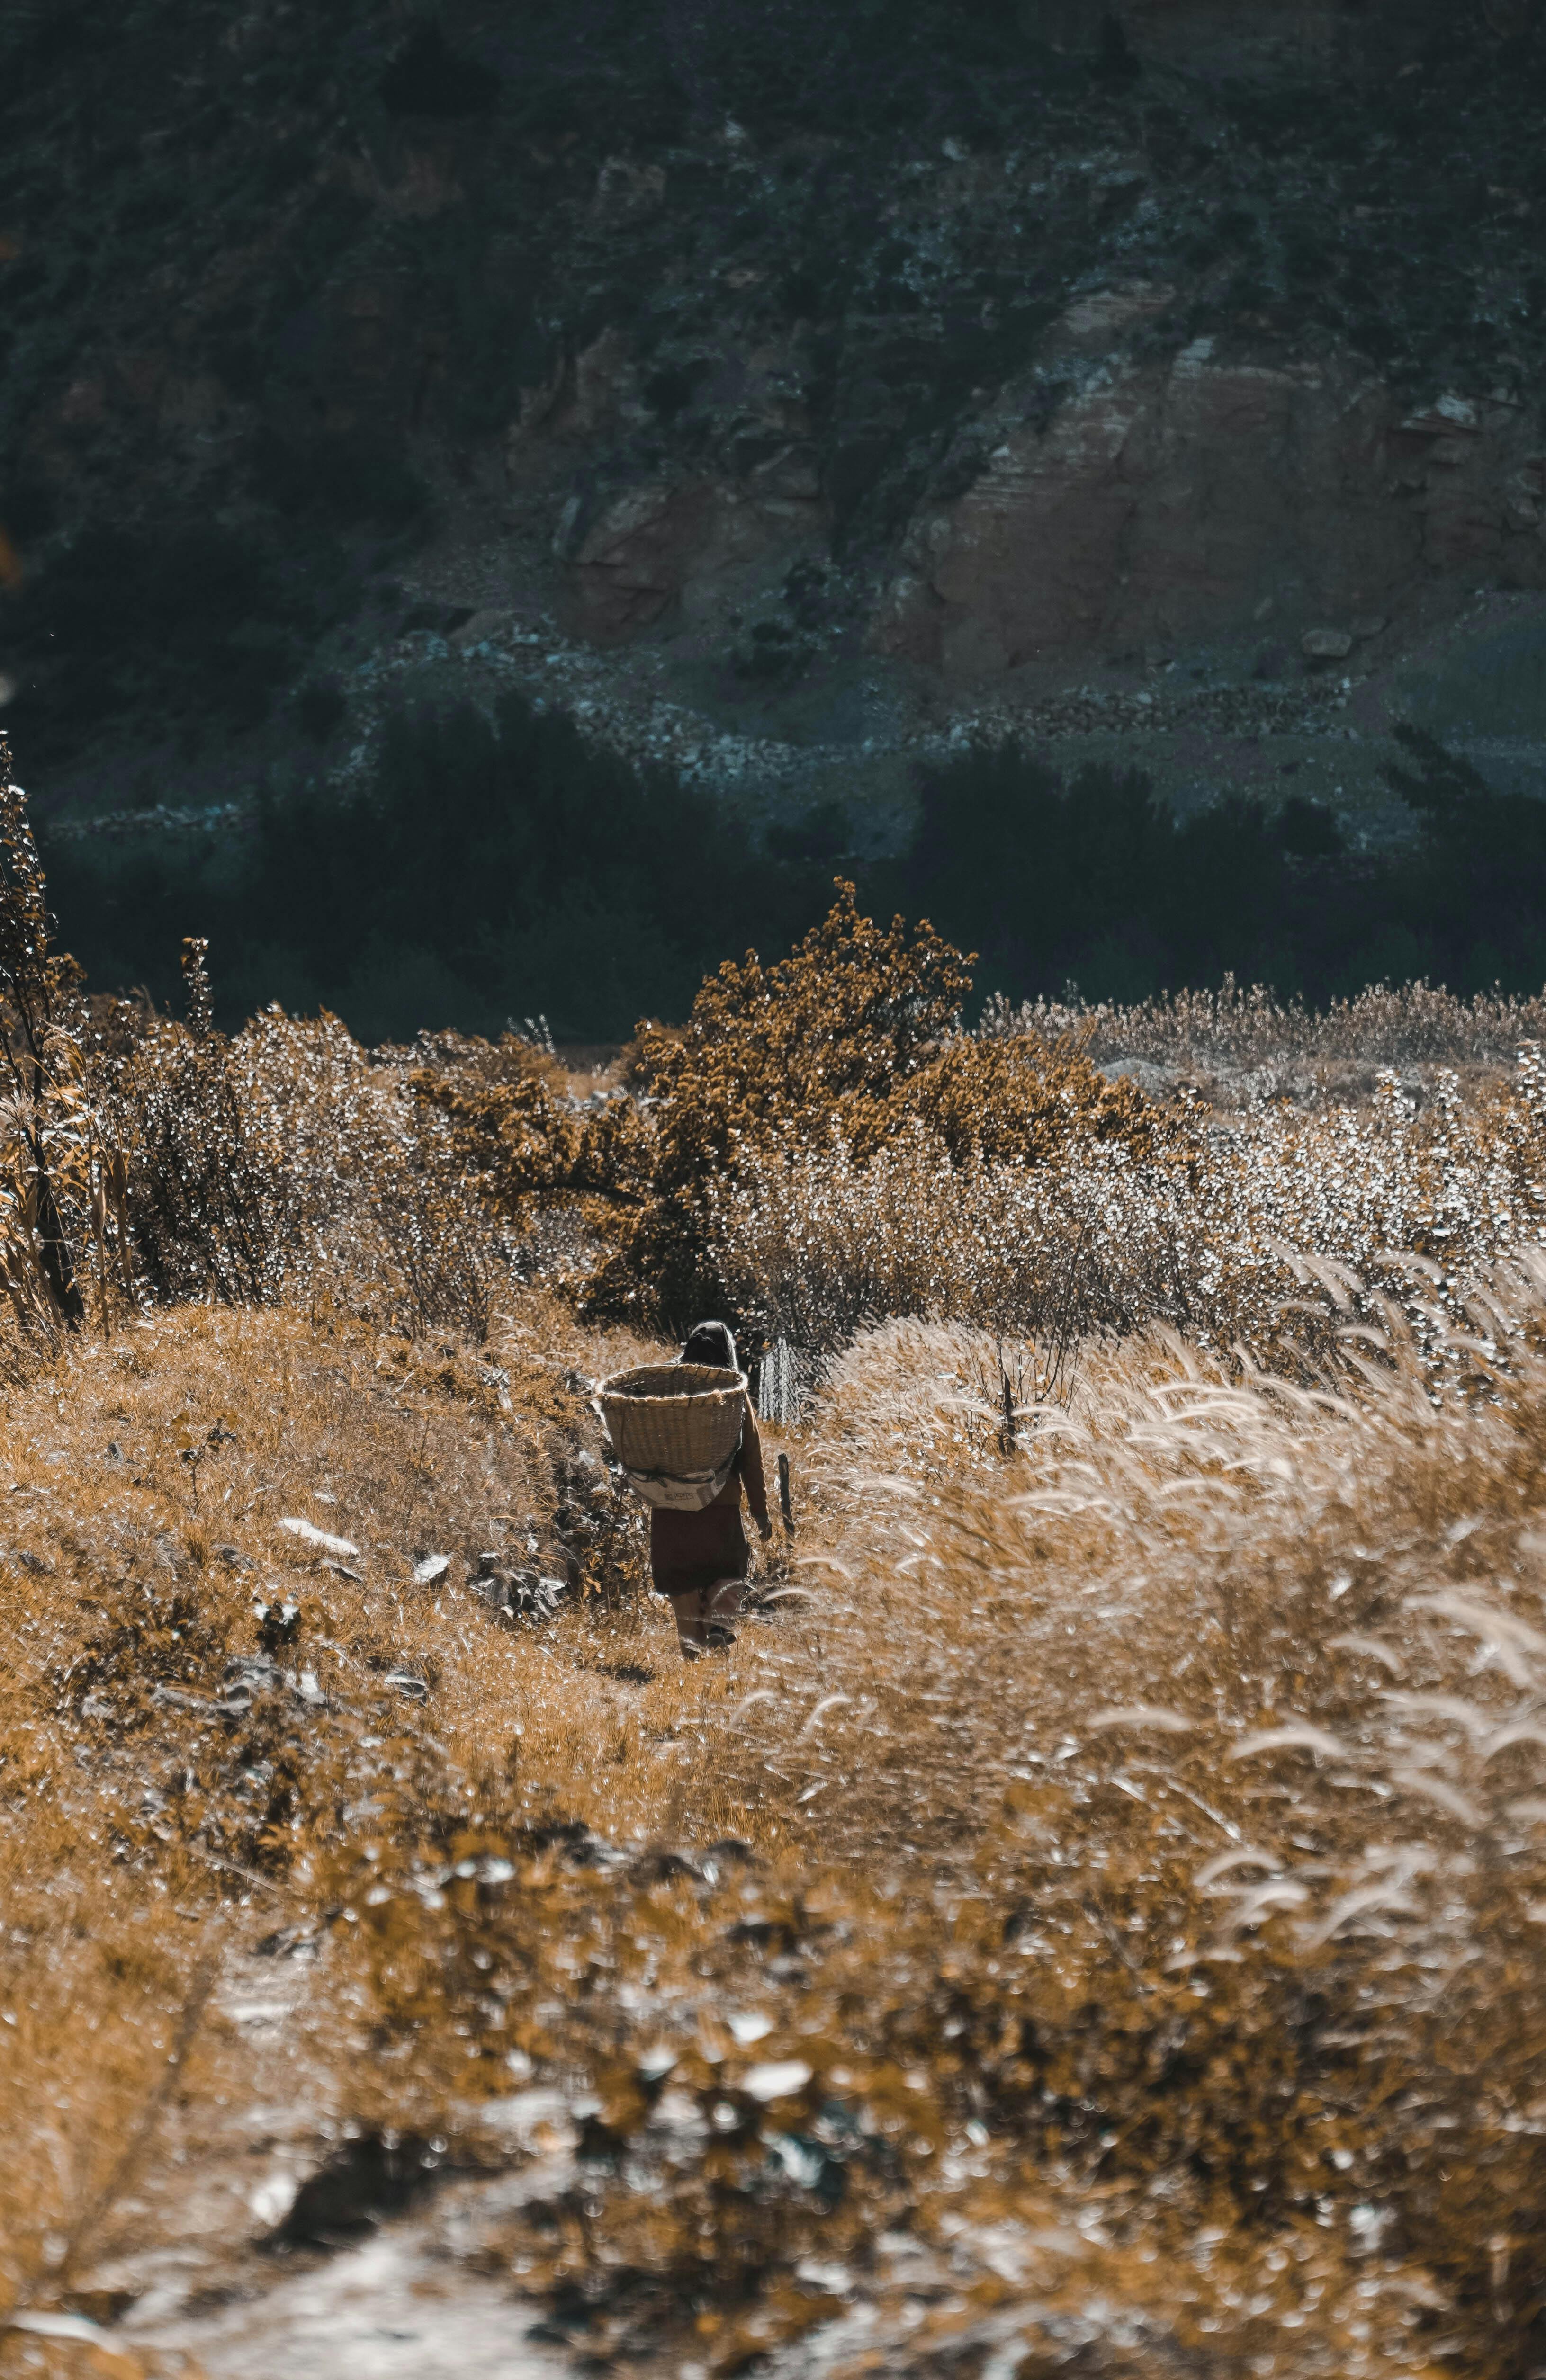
[[721, 1604], [688, 1611]]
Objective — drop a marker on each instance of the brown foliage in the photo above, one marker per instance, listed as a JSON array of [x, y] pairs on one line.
[[511, 1135], [827, 1036], [852, 1042], [1029, 1102]]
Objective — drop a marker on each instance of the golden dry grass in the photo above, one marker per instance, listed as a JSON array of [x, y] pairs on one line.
[[1092, 1911], [1135, 1938], [1148, 1925], [148, 1836], [1092, 1914]]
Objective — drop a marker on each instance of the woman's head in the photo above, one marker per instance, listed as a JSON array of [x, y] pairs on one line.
[[711, 1343]]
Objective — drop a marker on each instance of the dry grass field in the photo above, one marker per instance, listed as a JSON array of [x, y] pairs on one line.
[[1097, 1901], [1091, 1918]]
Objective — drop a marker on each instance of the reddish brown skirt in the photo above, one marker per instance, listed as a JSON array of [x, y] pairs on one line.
[[698, 1578], [690, 1552]]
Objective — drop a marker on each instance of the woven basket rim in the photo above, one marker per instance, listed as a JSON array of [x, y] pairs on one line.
[[695, 1381]]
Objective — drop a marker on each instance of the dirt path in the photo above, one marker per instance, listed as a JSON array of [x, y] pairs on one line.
[[399, 2300], [394, 2308]]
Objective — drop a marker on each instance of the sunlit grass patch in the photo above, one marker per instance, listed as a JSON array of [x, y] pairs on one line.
[[1150, 1929]]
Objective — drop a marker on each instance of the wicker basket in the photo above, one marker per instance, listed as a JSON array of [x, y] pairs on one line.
[[676, 1429]]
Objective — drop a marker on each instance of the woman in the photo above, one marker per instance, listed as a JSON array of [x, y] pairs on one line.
[[701, 1560]]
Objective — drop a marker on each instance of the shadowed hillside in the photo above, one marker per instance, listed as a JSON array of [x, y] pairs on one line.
[[715, 377]]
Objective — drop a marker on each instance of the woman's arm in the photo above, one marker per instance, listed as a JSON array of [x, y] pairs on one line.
[[749, 1463]]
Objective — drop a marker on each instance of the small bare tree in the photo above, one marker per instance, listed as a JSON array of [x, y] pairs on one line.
[[46, 1118]]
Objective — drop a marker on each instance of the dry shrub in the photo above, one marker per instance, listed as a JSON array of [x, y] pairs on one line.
[[1215, 1232], [816, 1244], [831, 1033], [511, 1130], [207, 1215], [850, 1045], [282, 1163], [1242, 1030], [287, 1163]]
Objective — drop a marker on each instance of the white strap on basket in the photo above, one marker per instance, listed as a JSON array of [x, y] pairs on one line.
[[689, 1494]]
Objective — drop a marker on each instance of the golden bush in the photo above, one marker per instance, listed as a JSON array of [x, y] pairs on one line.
[[511, 1135], [1028, 1102], [853, 1043]]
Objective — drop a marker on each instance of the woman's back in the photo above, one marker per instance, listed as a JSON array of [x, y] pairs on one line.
[[712, 1536], [699, 1559]]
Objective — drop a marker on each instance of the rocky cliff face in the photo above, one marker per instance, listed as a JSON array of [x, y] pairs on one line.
[[1182, 503], [969, 339]]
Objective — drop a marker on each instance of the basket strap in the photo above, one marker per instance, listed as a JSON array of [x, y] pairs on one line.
[[684, 1478]]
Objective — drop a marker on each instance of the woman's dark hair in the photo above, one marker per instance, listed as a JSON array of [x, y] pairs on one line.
[[711, 1343]]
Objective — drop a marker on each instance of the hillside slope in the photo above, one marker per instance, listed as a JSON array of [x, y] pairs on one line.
[[818, 374]]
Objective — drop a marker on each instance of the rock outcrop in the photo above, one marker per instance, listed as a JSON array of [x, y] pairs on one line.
[[665, 549], [1173, 502]]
